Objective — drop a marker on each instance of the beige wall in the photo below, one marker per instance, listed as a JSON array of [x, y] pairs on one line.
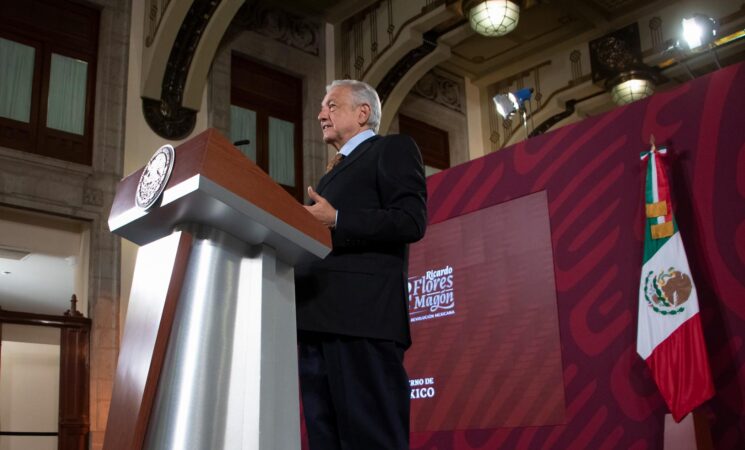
[[29, 385], [476, 145]]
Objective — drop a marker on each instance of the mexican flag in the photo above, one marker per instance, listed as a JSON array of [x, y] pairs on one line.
[[669, 335]]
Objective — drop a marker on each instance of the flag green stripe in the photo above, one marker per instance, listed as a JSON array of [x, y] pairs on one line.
[[649, 193], [651, 246]]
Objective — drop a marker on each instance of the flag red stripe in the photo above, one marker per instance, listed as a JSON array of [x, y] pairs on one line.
[[680, 368], [663, 187]]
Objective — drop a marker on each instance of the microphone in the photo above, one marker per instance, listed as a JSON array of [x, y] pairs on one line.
[[242, 142]]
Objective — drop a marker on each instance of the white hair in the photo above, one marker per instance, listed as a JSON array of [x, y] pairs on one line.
[[362, 93]]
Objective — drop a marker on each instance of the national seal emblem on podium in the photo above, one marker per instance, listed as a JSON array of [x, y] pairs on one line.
[[154, 177]]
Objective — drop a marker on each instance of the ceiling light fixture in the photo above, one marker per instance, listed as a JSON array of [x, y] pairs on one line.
[[492, 17], [631, 86]]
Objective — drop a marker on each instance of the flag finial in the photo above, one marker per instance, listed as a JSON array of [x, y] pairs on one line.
[[652, 147]]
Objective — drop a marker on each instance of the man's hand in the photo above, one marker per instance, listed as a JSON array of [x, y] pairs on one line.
[[322, 209]]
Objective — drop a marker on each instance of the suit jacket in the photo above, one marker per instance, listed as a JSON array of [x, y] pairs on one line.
[[361, 287]]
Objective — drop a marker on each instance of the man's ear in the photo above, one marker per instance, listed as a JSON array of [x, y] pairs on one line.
[[364, 114]]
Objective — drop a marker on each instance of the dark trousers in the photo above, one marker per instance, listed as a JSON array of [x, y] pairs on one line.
[[355, 393]]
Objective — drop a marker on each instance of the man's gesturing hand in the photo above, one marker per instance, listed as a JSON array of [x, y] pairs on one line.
[[322, 209]]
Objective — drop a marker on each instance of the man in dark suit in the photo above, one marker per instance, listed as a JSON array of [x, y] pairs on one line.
[[352, 309]]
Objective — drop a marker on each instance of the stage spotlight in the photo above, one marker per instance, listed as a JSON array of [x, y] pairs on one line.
[[512, 102], [492, 17], [698, 30], [507, 104], [523, 95]]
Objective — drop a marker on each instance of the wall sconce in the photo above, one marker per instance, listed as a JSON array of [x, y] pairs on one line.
[[492, 17]]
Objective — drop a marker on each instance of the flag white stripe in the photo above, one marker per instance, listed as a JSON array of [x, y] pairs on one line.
[[655, 191], [653, 327], [655, 186]]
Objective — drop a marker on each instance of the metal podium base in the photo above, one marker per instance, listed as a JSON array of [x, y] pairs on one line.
[[229, 380]]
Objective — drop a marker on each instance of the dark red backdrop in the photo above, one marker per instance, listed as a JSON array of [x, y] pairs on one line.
[[490, 355], [593, 181]]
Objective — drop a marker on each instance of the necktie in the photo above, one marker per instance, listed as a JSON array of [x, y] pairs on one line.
[[336, 160]]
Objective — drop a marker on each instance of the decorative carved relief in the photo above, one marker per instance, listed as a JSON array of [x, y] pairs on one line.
[[576, 59], [615, 52], [359, 49], [93, 197], [345, 59], [538, 96], [155, 9], [374, 35], [441, 89], [359, 59], [655, 30], [275, 23]]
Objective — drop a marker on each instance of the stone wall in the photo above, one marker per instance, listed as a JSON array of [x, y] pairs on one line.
[[85, 193]]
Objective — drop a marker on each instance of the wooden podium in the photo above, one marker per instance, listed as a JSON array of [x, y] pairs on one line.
[[208, 356]]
